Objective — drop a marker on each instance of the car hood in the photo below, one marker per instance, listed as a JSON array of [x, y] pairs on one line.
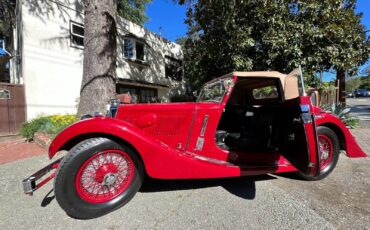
[[143, 115]]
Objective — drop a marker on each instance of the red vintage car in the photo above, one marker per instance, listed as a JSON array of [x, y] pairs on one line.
[[243, 123]]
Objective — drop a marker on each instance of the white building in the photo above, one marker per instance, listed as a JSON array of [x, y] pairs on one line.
[[49, 48]]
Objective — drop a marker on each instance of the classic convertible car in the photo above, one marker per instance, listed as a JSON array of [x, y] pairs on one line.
[[243, 123]]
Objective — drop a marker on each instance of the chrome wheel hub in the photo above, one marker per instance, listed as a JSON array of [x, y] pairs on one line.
[[109, 179], [324, 155]]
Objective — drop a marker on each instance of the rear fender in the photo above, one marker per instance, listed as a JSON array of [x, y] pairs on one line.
[[347, 141], [160, 160]]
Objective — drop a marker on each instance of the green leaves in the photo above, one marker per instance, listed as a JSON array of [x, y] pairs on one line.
[[133, 10], [273, 35], [343, 113], [46, 124]]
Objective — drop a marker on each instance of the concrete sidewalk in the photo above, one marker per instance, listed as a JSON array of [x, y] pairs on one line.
[[362, 136]]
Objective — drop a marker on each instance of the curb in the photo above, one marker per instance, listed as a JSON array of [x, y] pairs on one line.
[[42, 139]]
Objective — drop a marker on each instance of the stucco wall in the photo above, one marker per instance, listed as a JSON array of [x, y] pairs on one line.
[[52, 69], [157, 49]]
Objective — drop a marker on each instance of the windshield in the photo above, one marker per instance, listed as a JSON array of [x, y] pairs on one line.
[[215, 90]]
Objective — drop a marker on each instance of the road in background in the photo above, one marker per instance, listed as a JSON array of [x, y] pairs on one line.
[[360, 107]]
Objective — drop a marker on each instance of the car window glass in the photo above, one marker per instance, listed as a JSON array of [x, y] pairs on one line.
[[265, 92], [212, 92], [215, 91]]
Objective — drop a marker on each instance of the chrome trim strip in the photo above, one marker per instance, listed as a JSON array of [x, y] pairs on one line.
[[204, 126], [191, 128]]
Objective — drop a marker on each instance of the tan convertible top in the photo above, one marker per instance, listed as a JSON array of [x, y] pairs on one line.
[[289, 82], [260, 74]]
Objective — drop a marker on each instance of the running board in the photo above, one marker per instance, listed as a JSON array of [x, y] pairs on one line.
[[226, 163]]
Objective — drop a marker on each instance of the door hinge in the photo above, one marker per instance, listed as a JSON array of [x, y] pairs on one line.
[[306, 118]]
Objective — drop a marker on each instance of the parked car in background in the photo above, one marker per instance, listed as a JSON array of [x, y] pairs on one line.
[[362, 93], [349, 94], [243, 123]]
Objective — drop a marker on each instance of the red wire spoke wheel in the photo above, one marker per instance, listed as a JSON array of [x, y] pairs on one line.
[[326, 151], [104, 176], [328, 145], [98, 176]]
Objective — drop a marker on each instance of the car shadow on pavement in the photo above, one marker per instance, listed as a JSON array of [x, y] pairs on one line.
[[243, 187], [49, 197], [291, 175]]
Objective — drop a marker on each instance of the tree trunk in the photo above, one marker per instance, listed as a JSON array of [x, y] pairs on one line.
[[342, 85], [100, 54]]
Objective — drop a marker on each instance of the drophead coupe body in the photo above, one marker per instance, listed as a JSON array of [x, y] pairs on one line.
[[243, 123]]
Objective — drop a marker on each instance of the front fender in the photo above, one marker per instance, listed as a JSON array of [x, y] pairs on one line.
[[160, 160], [351, 146], [89, 127]]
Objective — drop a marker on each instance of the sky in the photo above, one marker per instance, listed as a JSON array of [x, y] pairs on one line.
[[167, 19]]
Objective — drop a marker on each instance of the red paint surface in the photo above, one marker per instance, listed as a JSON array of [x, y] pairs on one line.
[[168, 123], [311, 139], [46, 180], [160, 160], [166, 136], [352, 147]]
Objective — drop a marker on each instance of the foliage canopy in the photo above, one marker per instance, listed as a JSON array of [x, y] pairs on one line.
[[244, 35], [133, 10]]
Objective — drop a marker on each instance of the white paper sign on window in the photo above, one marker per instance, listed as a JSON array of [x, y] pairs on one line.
[[4, 94]]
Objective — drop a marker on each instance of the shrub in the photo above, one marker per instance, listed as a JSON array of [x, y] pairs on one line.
[[51, 125], [58, 123], [343, 112], [28, 129]]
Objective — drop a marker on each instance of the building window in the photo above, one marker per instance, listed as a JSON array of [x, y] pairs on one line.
[[139, 94], [128, 48], [134, 50], [140, 51], [77, 34], [173, 68]]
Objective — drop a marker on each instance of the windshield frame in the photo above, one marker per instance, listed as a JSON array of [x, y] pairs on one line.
[[226, 82]]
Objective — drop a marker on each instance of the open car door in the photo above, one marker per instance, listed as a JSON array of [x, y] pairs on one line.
[[300, 146]]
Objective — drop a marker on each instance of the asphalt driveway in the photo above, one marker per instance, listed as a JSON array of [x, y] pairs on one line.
[[340, 201], [360, 107]]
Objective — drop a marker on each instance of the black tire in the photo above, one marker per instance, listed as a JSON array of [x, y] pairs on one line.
[[65, 184], [330, 134]]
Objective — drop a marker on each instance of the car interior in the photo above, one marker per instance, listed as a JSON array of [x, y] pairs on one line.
[[257, 119]]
